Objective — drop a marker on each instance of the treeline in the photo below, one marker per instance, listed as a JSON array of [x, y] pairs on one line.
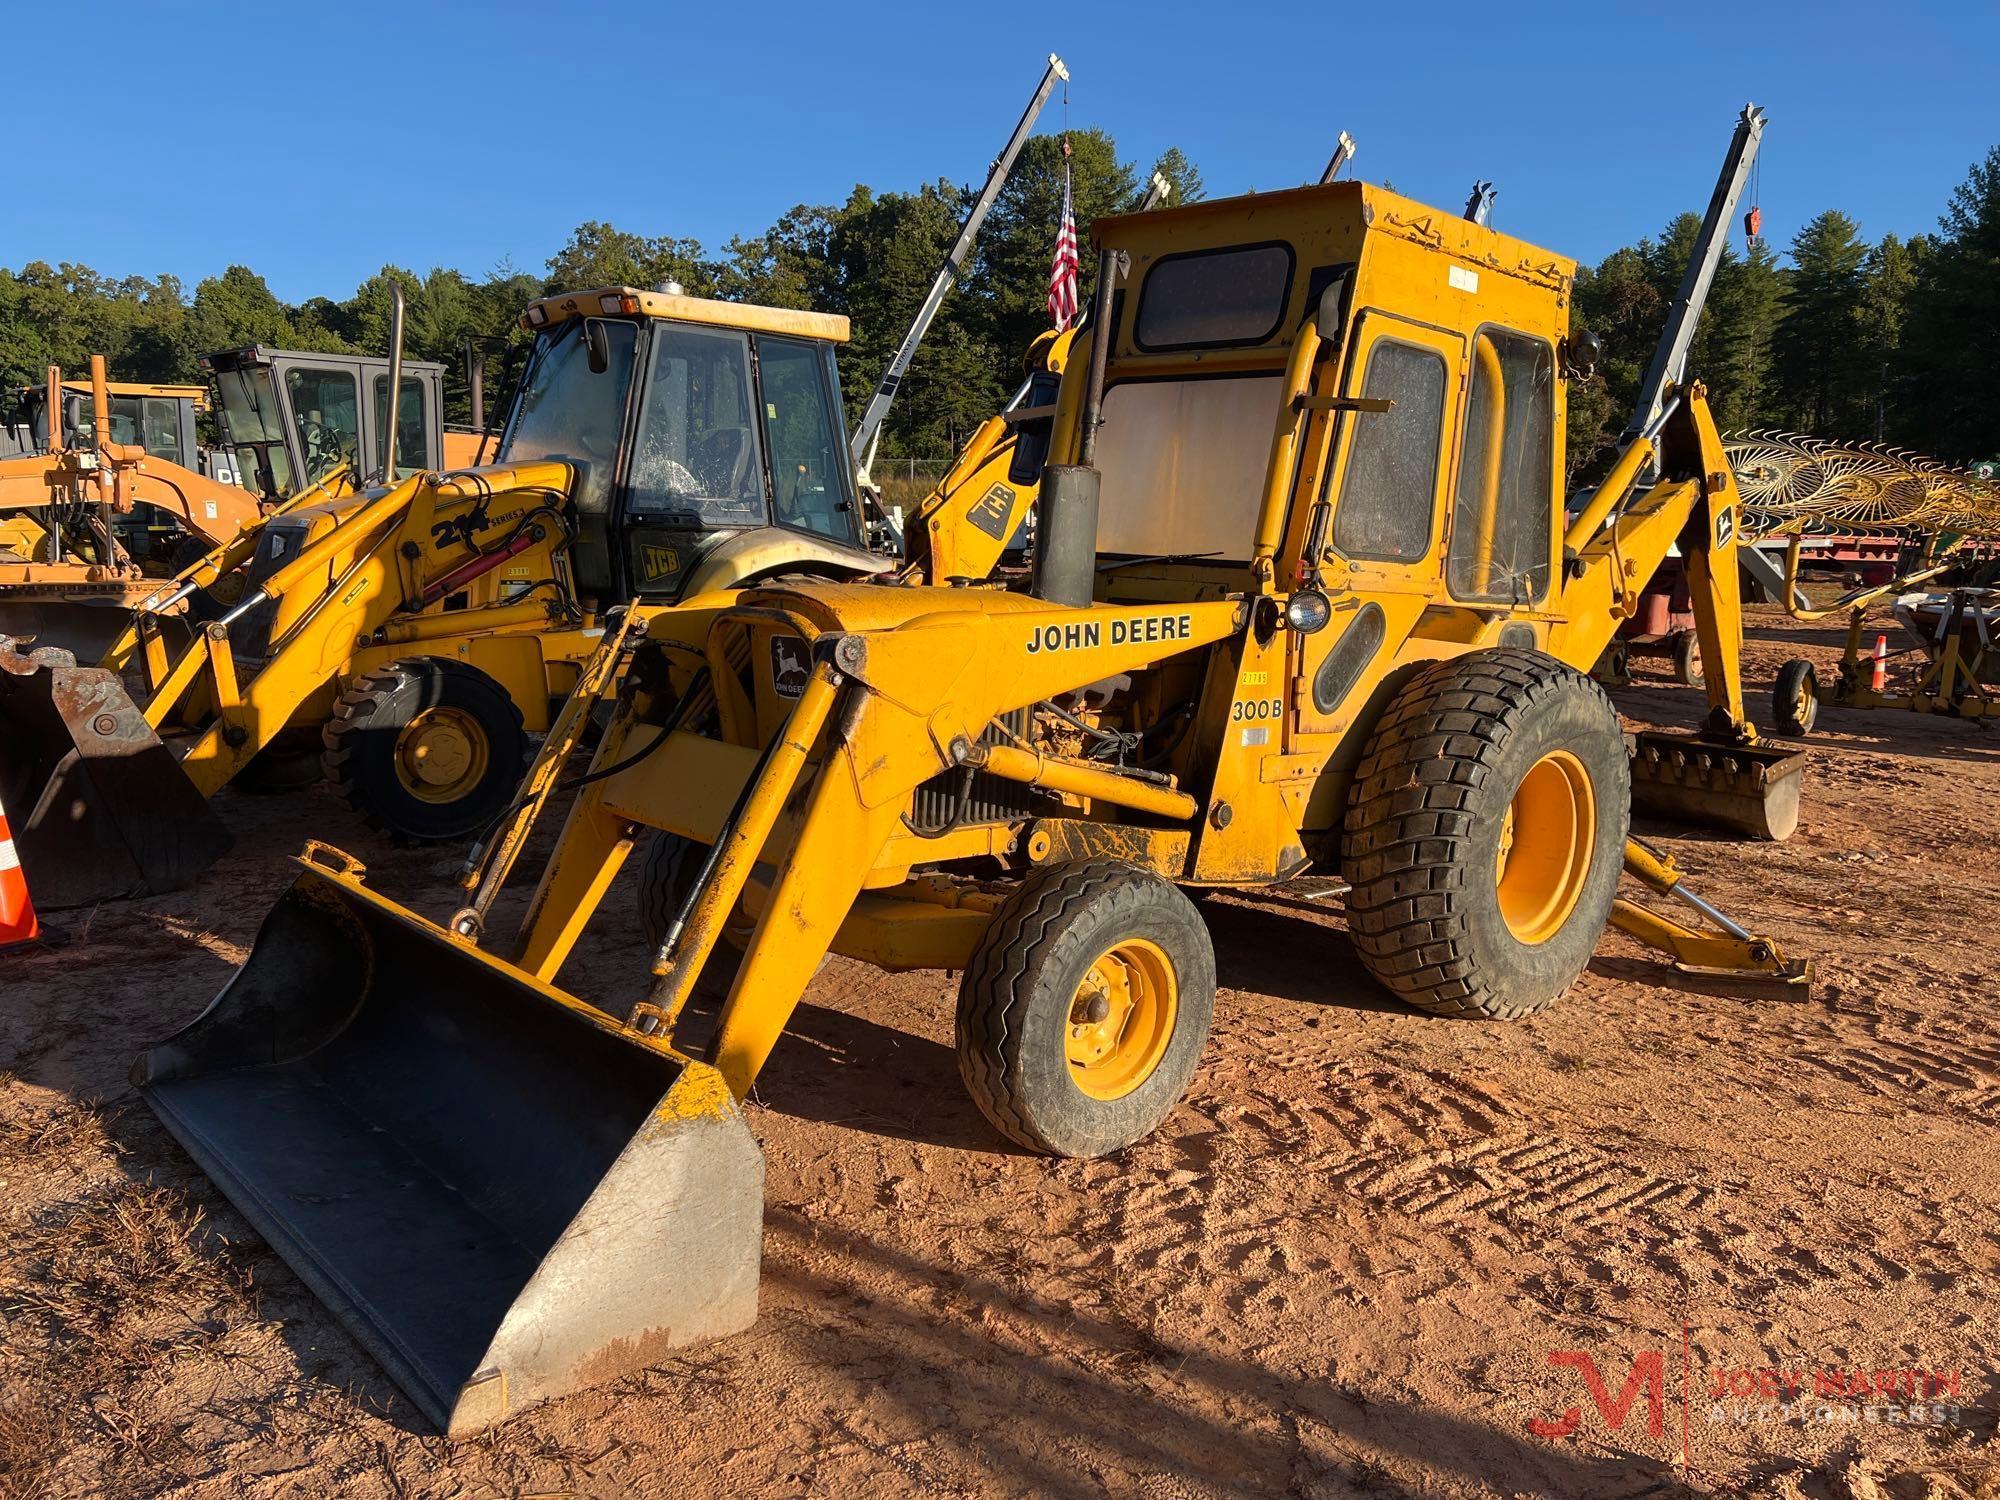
[[1894, 340]]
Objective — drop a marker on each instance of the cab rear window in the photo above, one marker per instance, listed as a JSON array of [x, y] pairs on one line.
[[1208, 298]]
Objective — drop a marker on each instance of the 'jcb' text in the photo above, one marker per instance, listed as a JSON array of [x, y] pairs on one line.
[[1086, 634]]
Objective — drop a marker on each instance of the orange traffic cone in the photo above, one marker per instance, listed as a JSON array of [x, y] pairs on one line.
[[1879, 679], [17, 912]]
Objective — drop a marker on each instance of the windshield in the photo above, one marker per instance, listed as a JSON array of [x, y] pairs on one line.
[[698, 461], [247, 402], [567, 411]]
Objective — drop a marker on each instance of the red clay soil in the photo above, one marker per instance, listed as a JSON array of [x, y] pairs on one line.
[[1346, 1265]]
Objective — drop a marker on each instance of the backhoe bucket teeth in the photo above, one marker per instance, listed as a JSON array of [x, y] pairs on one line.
[[502, 1193], [1748, 789], [100, 808]]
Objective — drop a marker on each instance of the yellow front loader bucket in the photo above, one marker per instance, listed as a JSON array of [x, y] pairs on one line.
[[99, 807], [503, 1193]]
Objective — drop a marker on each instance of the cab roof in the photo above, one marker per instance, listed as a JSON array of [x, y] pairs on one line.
[[625, 301], [198, 394], [1295, 213]]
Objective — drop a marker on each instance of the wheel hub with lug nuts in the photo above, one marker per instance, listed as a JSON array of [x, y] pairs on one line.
[[440, 754], [1121, 1019]]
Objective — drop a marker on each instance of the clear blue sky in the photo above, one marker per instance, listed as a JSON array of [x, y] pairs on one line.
[[315, 142]]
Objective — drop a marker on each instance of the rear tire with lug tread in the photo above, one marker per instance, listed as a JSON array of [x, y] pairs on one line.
[[1085, 1008], [1485, 833], [1795, 698], [427, 749]]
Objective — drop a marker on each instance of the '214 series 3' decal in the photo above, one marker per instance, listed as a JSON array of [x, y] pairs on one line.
[[1085, 634]]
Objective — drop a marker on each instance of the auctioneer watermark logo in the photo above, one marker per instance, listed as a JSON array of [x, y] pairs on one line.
[[1797, 1394]]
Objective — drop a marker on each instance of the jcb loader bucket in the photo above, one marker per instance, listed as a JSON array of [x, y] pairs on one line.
[[85, 630], [100, 808], [1748, 789], [500, 1191]]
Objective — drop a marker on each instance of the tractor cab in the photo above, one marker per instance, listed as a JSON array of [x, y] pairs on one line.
[[1425, 463], [707, 437], [158, 418], [290, 418]]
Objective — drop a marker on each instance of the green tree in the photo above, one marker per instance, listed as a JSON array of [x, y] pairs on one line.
[[1888, 275], [1819, 364], [1183, 177], [1951, 343], [600, 255], [1018, 247]]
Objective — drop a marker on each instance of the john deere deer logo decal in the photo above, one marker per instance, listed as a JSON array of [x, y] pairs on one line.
[[791, 666]]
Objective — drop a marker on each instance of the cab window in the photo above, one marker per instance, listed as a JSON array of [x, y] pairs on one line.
[[326, 410], [410, 454], [1504, 508], [808, 458], [160, 429], [1390, 491], [697, 459], [1210, 297]]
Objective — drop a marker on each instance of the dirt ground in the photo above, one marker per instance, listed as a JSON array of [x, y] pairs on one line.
[[1342, 1267]]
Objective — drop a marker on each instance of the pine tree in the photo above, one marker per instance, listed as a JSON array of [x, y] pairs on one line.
[[1951, 345], [1819, 347]]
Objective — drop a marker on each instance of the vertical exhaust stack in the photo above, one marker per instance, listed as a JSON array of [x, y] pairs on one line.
[[395, 381], [1066, 527]]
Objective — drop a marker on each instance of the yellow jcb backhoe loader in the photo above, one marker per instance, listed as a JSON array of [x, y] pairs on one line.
[[414, 633], [1302, 599]]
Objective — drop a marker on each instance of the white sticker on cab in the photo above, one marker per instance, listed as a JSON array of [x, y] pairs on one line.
[[1464, 280]]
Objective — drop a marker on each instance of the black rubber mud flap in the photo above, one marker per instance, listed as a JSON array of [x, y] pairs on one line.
[[100, 808], [499, 1191], [1747, 789]]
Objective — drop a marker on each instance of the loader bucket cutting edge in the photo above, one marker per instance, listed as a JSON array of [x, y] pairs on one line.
[[1748, 789], [100, 809], [501, 1196]]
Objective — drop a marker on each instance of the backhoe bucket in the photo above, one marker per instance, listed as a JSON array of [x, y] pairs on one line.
[[500, 1191], [100, 808], [1748, 789]]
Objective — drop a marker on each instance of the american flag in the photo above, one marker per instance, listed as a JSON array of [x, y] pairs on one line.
[[1062, 275]]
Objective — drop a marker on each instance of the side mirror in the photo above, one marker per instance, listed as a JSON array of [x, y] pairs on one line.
[[597, 346], [1329, 316], [1585, 350]]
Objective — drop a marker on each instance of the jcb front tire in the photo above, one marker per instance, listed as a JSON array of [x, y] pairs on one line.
[[427, 749], [1086, 1007], [1484, 834]]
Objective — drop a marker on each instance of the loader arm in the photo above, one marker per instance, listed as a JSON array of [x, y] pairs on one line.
[[380, 564]]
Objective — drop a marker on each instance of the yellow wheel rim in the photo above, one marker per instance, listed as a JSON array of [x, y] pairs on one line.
[[1546, 840], [1121, 1019], [441, 755]]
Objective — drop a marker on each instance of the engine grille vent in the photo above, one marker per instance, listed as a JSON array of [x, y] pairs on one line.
[[993, 799]]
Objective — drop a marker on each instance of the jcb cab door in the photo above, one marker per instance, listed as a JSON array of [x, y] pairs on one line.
[[1385, 485]]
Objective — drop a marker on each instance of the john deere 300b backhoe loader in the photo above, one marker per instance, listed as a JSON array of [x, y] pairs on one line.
[[1303, 599]]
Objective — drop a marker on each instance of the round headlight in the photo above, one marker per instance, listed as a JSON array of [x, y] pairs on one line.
[[1308, 610]]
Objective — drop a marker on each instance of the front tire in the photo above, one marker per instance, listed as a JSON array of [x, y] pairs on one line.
[[1795, 698], [1687, 660], [427, 749], [1485, 832], [1085, 1008]]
